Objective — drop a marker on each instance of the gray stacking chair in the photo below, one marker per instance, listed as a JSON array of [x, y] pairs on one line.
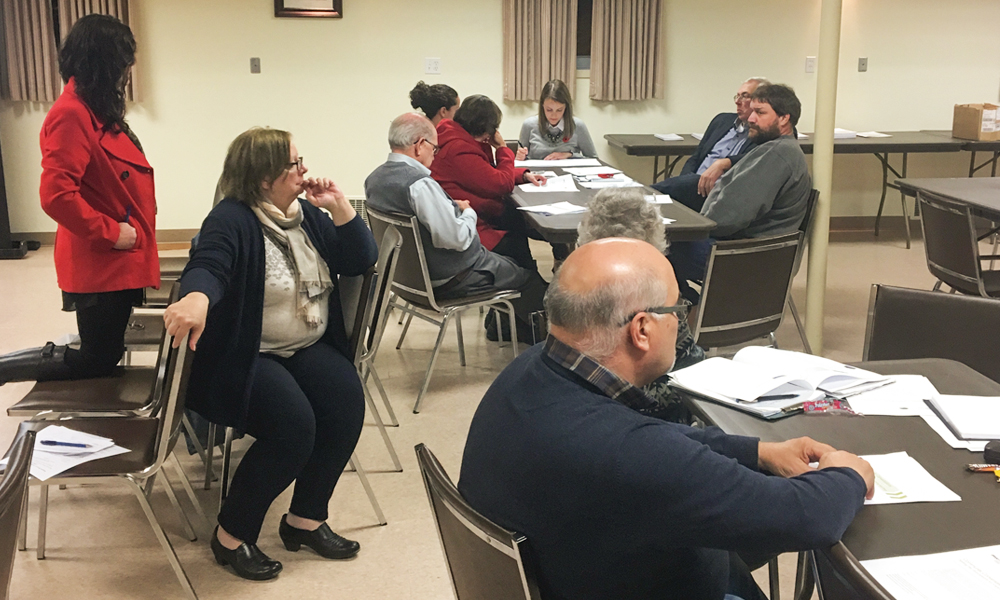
[[951, 246]]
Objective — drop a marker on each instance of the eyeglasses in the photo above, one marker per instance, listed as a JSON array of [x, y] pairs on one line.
[[433, 145], [295, 164], [744, 97], [679, 310]]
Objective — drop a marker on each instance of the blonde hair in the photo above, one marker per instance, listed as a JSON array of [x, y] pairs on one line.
[[256, 156]]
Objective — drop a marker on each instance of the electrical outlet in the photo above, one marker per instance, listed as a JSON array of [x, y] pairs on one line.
[[255, 65], [862, 64], [432, 66], [810, 64]]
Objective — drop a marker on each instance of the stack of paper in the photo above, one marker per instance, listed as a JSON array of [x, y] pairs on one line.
[[903, 398], [698, 136], [803, 136], [969, 417], [558, 208], [659, 199], [668, 221], [872, 134], [668, 137], [588, 171], [973, 573], [899, 479], [59, 449], [555, 164], [563, 183], [844, 134], [597, 182], [834, 378]]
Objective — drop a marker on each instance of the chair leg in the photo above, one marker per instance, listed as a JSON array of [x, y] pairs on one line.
[[906, 218], [409, 319], [798, 325], [774, 341], [772, 576], [189, 428], [181, 515], [356, 463], [937, 286], [186, 484], [161, 535], [461, 340], [227, 457], [43, 517], [385, 397], [513, 325], [210, 457], [22, 527], [430, 367], [402, 313], [804, 580], [381, 429]]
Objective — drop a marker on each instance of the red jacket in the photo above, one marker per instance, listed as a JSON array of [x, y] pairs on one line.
[[90, 180], [466, 170]]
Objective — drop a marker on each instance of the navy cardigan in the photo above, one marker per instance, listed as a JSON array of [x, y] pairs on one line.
[[228, 266], [719, 126]]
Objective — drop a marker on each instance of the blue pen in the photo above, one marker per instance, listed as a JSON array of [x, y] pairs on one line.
[[66, 444], [128, 213]]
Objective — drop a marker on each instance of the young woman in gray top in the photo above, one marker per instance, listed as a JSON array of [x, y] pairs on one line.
[[555, 133]]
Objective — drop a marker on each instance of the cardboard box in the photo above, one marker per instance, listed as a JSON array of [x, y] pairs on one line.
[[976, 122]]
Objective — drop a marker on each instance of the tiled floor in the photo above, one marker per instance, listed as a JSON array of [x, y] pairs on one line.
[[100, 545]]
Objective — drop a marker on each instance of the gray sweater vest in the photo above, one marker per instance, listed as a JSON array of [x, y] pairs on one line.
[[387, 189]]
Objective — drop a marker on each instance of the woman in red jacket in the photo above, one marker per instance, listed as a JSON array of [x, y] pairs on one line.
[[98, 187], [467, 169]]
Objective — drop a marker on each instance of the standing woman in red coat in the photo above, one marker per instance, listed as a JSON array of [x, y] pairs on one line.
[[98, 187]]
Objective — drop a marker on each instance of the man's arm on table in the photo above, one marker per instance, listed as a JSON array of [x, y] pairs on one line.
[[436, 211]]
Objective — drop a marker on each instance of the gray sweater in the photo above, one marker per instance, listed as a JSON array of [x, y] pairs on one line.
[[539, 146], [763, 195]]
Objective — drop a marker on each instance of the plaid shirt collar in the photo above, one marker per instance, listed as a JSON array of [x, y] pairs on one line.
[[600, 377]]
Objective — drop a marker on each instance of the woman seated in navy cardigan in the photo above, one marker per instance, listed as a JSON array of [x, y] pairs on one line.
[[259, 297]]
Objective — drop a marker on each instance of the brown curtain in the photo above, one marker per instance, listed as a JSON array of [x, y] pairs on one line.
[[627, 61], [70, 11], [539, 44], [29, 68]]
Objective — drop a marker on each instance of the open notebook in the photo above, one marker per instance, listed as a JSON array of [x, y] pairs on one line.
[[773, 383]]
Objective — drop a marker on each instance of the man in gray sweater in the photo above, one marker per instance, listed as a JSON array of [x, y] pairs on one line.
[[765, 194]]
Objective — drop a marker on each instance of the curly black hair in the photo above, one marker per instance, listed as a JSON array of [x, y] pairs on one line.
[[432, 98], [97, 54]]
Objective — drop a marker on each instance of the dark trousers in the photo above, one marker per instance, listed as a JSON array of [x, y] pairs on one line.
[[515, 246], [684, 189], [305, 413], [690, 261], [741, 582], [102, 335]]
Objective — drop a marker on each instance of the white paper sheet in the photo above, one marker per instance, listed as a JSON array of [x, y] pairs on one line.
[[668, 137], [563, 183], [972, 574], [558, 164], [972, 417], [949, 438], [584, 171], [58, 433], [803, 136], [668, 220], [844, 134], [899, 479], [872, 134], [903, 398], [597, 184], [659, 199], [698, 136], [558, 208], [45, 465]]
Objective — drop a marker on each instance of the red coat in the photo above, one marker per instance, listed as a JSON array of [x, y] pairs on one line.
[[90, 180], [467, 170]]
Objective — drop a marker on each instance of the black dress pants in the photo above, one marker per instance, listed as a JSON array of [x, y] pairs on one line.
[[101, 321], [306, 414]]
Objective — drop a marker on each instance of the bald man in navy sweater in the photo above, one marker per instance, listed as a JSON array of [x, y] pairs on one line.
[[614, 503]]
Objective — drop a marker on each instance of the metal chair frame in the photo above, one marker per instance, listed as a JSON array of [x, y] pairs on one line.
[[975, 283], [14, 500], [451, 310], [806, 229]]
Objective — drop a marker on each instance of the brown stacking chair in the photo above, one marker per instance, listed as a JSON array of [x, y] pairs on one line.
[[745, 291], [951, 246], [485, 561], [13, 497], [412, 284], [906, 324]]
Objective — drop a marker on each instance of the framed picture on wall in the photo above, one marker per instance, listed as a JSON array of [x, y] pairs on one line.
[[331, 9]]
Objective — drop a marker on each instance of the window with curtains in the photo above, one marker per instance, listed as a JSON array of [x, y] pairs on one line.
[[29, 39], [625, 38]]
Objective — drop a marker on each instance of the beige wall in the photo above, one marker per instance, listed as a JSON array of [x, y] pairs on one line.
[[336, 84]]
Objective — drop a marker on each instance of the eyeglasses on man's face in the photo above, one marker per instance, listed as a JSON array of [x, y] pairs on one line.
[[679, 310], [744, 97], [432, 144]]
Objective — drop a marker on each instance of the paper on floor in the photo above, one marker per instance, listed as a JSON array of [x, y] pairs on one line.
[[957, 575], [899, 479]]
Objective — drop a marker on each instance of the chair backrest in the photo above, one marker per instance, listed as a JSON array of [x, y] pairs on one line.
[[173, 372], [412, 280], [486, 561], [12, 491], [806, 229], [745, 290], [950, 242], [907, 324], [364, 298]]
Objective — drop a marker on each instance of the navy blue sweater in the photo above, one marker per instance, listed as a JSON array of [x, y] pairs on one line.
[[228, 266], [619, 505]]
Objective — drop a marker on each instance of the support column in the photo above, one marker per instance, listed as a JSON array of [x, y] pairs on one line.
[[826, 113]]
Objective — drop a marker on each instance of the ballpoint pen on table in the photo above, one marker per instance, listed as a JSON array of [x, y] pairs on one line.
[[66, 444]]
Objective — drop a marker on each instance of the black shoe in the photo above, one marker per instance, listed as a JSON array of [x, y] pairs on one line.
[[247, 560], [323, 540], [490, 323], [35, 364]]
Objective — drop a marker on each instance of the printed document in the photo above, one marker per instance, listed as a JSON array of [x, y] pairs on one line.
[[556, 164], [563, 183], [668, 137], [558, 208], [972, 574], [899, 479], [659, 199]]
